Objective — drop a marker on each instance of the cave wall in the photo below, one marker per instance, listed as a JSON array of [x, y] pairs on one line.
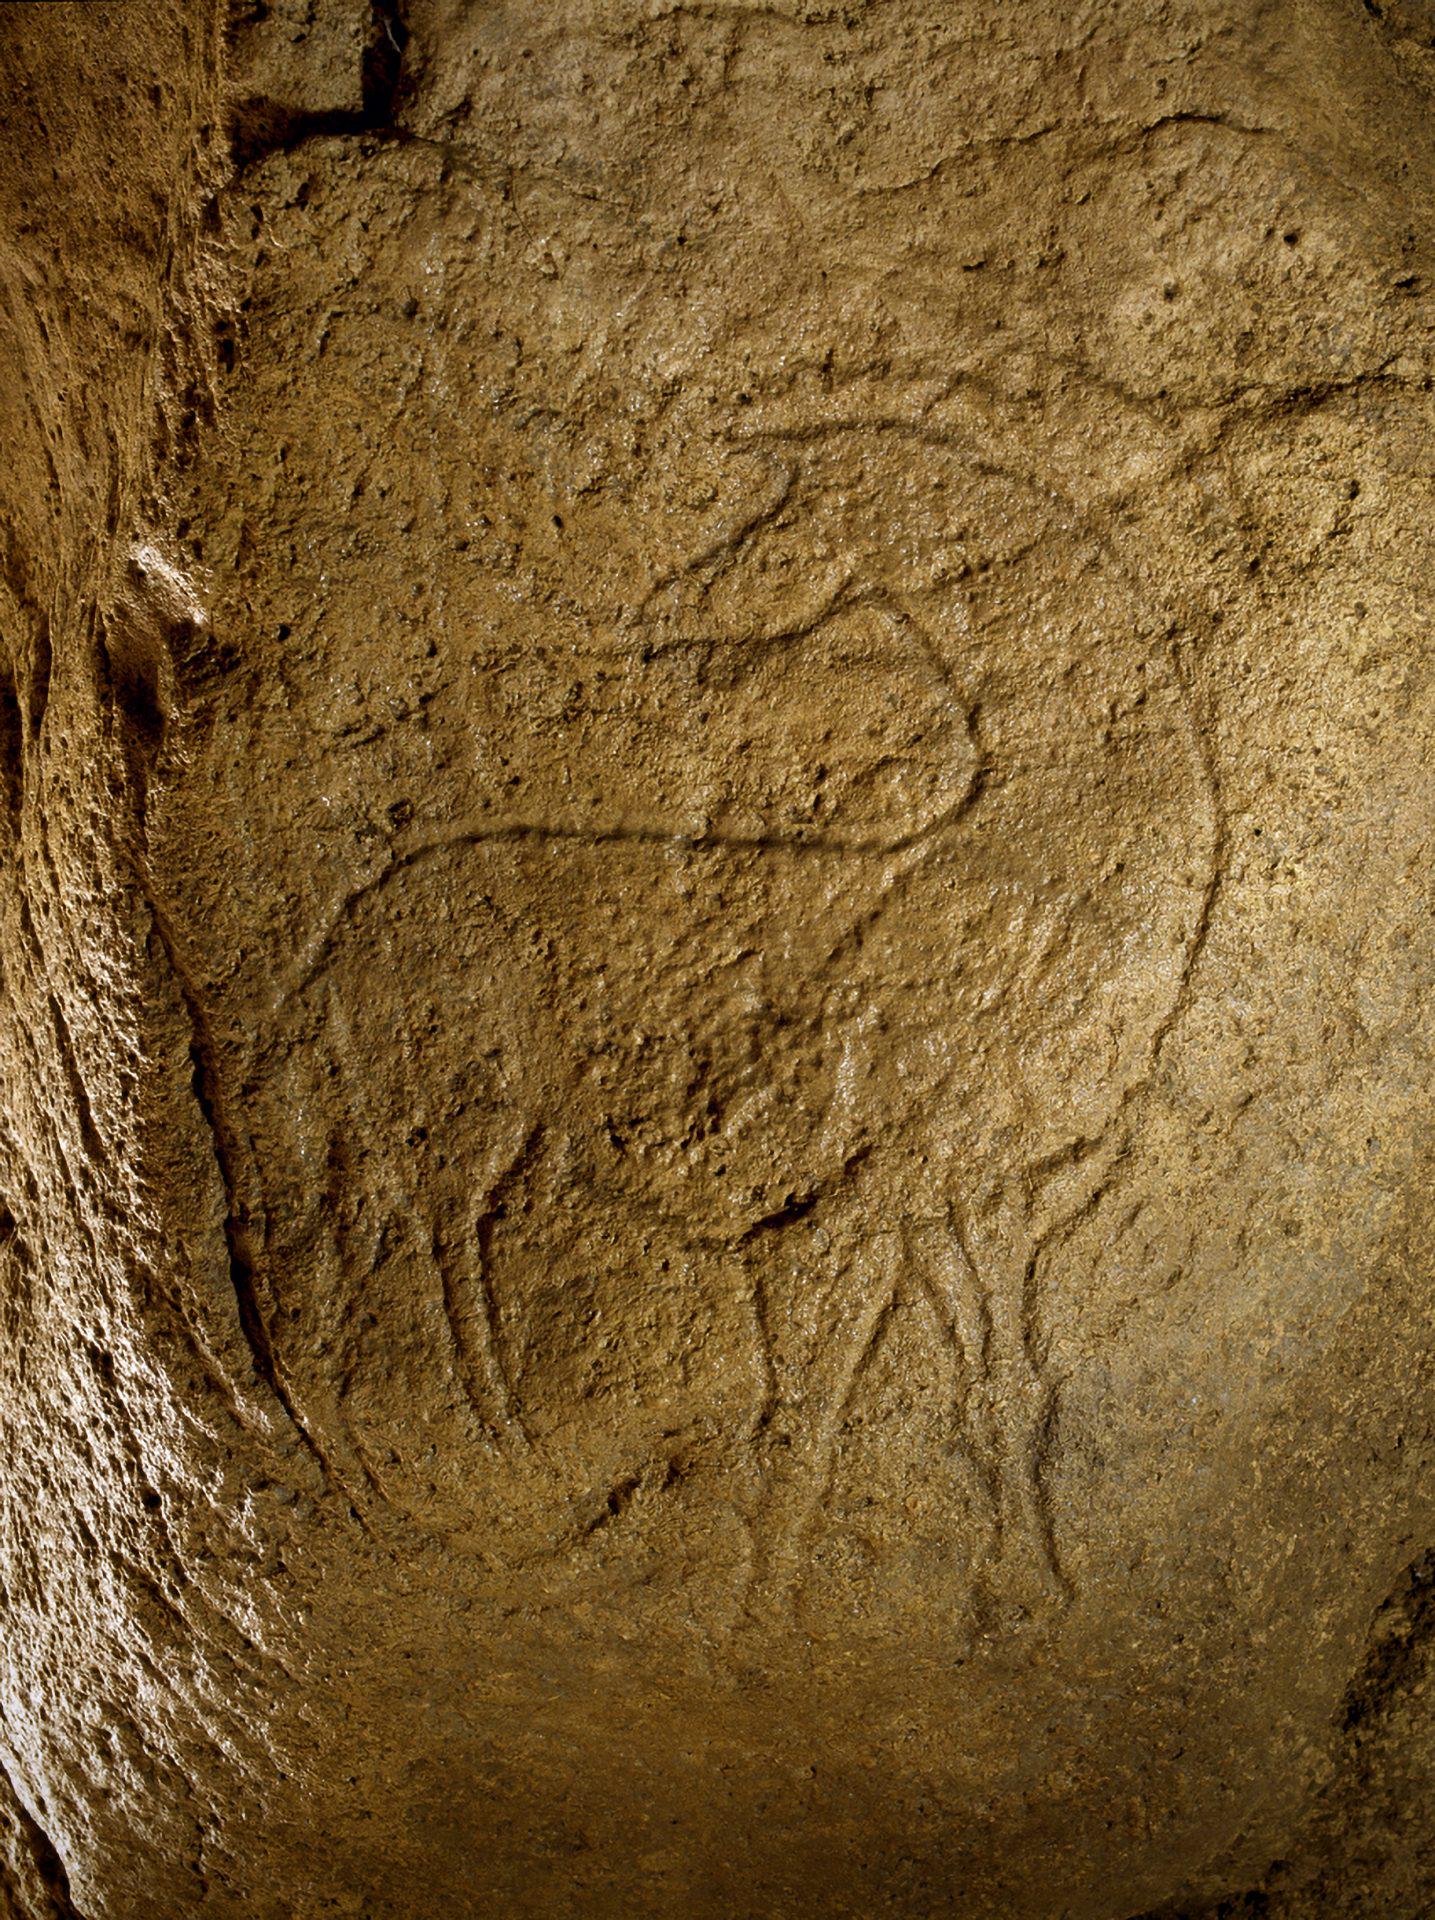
[[714, 1179]]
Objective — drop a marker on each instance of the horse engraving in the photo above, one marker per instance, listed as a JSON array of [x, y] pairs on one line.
[[833, 936]]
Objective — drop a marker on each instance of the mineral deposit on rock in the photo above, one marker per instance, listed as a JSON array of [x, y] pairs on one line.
[[716, 959]]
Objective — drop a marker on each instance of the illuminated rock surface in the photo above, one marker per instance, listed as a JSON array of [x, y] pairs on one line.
[[716, 942]]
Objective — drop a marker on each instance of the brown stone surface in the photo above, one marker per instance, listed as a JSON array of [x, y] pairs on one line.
[[715, 919]]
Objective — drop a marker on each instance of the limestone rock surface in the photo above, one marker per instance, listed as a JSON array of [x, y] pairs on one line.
[[715, 928]]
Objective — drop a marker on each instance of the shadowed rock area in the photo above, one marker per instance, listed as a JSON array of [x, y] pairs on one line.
[[715, 960]]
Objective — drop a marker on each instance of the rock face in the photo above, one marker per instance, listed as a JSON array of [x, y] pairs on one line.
[[714, 1179]]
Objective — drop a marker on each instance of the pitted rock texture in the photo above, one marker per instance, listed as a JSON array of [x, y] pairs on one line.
[[717, 962]]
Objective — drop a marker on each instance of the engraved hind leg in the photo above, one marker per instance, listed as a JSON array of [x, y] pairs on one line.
[[977, 1275], [804, 1431], [1025, 1572], [943, 1274]]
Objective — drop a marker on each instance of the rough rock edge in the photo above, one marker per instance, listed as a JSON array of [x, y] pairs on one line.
[[33, 1881], [176, 380], [1400, 1646]]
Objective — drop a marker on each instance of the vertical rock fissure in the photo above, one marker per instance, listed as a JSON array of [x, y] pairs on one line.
[[228, 1154], [45, 1858]]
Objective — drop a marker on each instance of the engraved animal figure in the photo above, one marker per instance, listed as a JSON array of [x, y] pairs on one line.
[[817, 1030], [833, 929]]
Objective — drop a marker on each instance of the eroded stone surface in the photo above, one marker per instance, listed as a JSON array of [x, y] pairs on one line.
[[716, 947]]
